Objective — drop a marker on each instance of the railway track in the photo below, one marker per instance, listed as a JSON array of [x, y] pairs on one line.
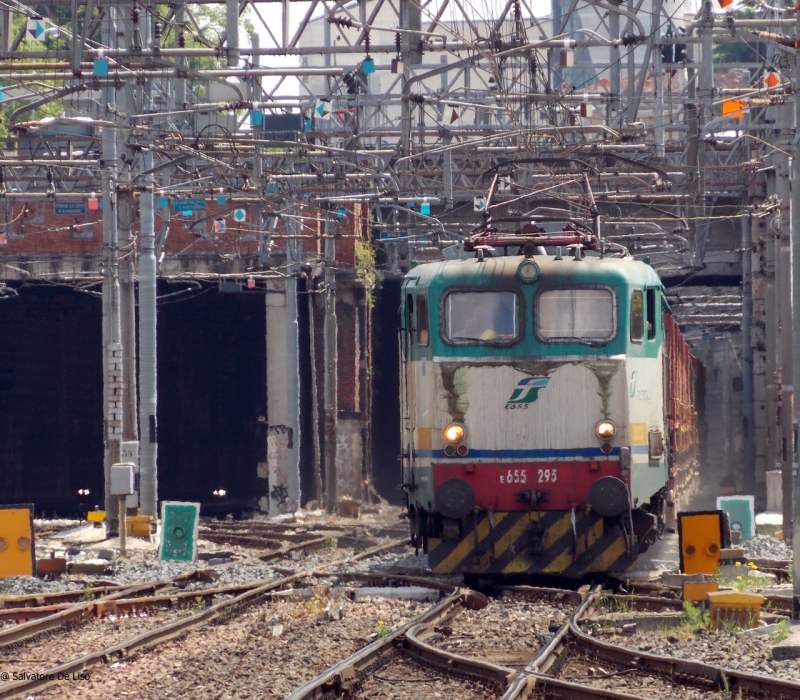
[[55, 609], [449, 649], [234, 599], [651, 675], [572, 664]]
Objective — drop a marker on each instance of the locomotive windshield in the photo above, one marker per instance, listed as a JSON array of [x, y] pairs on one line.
[[481, 316], [583, 314]]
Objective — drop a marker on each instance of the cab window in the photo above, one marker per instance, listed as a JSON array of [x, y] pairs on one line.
[[637, 315], [651, 314], [422, 321], [583, 314], [410, 317], [481, 317]]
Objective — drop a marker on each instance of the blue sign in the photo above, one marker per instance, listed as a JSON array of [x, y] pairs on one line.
[[100, 67], [394, 235], [191, 204], [70, 208]]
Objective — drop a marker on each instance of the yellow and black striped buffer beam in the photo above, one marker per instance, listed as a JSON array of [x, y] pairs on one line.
[[549, 542]]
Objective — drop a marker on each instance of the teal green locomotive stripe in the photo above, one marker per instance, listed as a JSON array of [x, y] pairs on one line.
[[435, 279]]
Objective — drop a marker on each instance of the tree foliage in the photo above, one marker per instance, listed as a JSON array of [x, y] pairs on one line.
[[210, 18]]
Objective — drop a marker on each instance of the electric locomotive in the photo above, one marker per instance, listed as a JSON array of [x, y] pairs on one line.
[[547, 406]]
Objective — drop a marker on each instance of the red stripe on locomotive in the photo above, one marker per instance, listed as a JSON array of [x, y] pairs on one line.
[[496, 485]]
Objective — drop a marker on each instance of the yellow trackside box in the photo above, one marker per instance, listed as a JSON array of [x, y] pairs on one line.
[[700, 536], [138, 526], [698, 591], [17, 557], [735, 609]]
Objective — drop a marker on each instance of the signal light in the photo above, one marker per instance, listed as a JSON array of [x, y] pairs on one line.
[[462, 450]]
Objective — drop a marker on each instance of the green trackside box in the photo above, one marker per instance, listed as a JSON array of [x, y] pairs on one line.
[[179, 530], [741, 512]]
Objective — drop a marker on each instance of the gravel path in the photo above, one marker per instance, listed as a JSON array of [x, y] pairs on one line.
[[264, 653]]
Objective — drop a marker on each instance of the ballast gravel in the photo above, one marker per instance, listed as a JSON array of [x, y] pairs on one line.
[[766, 547], [266, 652], [744, 653], [508, 631], [29, 585]]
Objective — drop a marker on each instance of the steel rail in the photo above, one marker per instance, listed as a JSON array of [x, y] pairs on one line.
[[694, 672], [428, 654], [716, 677], [521, 686], [569, 690], [166, 632], [113, 607], [27, 630], [228, 537], [338, 677], [60, 617]]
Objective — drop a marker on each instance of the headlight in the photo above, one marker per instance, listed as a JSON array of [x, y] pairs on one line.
[[605, 430], [528, 271], [454, 433]]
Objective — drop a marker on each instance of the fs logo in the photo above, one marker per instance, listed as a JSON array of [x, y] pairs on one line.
[[527, 392]]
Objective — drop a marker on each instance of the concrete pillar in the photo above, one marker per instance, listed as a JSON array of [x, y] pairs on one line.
[[350, 420], [283, 435], [758, 343]]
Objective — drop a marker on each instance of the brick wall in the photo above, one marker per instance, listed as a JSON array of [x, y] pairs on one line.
[[34, 229]]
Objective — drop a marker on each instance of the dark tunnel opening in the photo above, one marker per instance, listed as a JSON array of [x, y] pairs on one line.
[[212, 399], [386, 392], [51, 391], [211, 393]]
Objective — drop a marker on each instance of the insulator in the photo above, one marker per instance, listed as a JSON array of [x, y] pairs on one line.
[[341, 21], [397, 41], [158, 30], [135, 15], [182, 40], [629, 39]]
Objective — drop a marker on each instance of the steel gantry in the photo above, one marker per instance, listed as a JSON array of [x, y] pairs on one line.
[[677, 120]]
